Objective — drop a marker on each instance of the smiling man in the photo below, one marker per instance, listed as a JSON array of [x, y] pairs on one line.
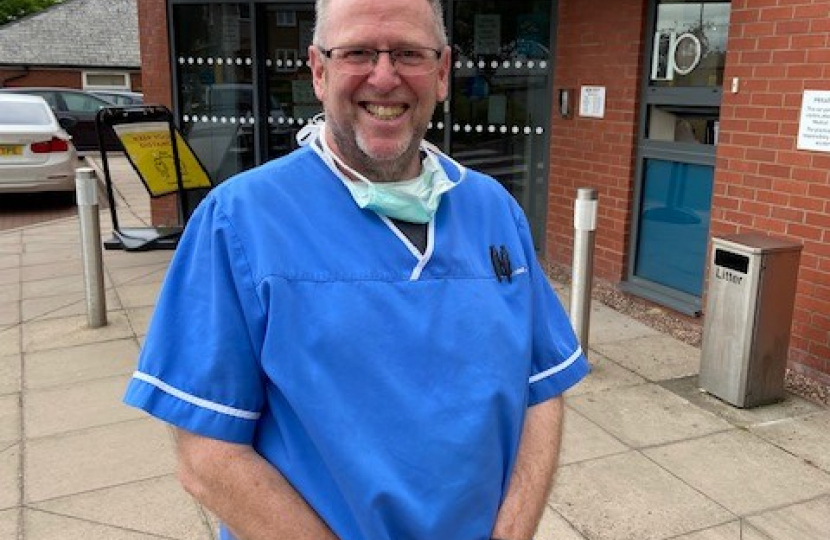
[[356, 341]]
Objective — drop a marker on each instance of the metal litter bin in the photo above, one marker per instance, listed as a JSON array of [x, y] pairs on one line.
[[749, 310]]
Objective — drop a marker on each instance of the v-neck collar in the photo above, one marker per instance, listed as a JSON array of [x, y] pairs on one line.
[[421, 258]]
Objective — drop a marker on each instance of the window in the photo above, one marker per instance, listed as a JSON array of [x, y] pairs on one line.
[[106, 81], [689, 44], [682, 88]]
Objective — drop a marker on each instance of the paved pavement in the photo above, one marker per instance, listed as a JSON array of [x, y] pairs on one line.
[[646, 455]]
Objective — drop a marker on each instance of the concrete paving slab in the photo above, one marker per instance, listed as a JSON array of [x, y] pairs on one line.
[[9, 523], [735, 530], [583, 440], [604, 375], [608, 326], [127, 259], [742, 472], [93, 403], [9, 419], [43, 245], [55, 255], [72, 331], [10, 476], [792, 406], [50, 229], [10, 258], [142, 295], [134, 275], [10, 294], [63, 305], [140, 319], [628, 497], [56, 286], [9, 374], [45, 526], [646, 415], [164, 509], [75, 365], [9, 314], [51, 271], [555, 527], [10, 343], [97, 458], [805, 521], [807, 437], [656, 357], [9, 276]]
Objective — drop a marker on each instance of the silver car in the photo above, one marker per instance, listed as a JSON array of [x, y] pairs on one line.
[[36, 153]]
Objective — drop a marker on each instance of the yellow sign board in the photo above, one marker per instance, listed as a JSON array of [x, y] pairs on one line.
[[150, 150]]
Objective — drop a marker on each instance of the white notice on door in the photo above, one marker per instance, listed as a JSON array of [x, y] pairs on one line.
[[814, 125]]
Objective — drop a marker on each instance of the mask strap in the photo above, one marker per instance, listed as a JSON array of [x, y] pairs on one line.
[[311, 131]]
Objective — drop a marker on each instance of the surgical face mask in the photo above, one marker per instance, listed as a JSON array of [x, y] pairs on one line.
[[414, 200]]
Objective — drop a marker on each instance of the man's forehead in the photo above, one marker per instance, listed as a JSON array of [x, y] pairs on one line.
[[343, 15]]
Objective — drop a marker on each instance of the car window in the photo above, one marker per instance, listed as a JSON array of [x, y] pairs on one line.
[[81, 103], [50, 97], [31, 114]]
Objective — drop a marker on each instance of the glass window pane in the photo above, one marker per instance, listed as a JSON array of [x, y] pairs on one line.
[[674, 224], [292, 102], [501, 97], [215, 71], [107, 80], [25, 114], [690, 44], [685, 124]]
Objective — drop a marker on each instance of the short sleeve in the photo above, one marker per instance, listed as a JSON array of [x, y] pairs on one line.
[[199, 368], [557, 359]]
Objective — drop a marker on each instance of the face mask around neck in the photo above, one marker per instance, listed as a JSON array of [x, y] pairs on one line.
[[415, 200]]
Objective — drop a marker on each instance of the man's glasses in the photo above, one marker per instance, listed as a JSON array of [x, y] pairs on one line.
[[408, 62]]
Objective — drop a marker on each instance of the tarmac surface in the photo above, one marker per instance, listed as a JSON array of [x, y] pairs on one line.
[[646, 455]]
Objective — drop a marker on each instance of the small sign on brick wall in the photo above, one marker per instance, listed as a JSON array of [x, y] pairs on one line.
[[592, 101], [814, 125]]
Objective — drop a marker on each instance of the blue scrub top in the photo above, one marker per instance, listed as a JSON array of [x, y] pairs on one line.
[[388, 386]]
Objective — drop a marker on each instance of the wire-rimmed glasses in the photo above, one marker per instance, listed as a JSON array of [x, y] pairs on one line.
[[408, 61]]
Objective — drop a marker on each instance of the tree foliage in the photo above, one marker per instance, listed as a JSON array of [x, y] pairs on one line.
[[11, 10]]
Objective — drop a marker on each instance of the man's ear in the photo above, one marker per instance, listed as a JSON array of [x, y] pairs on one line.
[[318, 71], [444, 74]]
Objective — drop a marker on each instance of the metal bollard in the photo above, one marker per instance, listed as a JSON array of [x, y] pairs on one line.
[[86, 190], [585, 225]]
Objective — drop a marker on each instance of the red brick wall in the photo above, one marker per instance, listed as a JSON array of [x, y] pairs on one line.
[[64, 78], [157, 85], [599, 43], [778, 49]]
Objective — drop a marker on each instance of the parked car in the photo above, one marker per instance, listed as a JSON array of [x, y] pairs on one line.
[[121, 98], [36, 152], [79, 106]]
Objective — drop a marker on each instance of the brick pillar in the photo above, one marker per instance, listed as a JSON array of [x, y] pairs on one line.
[[156, 83]]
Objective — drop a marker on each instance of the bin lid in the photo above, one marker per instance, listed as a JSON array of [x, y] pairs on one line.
[[755, 242]]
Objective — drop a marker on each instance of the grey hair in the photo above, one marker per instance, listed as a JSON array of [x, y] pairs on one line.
[[321, 9]]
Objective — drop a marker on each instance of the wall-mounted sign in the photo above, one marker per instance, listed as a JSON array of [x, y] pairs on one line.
[[674, 53], [687, 52], [592, 101], [814, 125]]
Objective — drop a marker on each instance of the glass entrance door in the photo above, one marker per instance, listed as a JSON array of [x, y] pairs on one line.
[[287, 31], [498, 116], [676, 154]]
